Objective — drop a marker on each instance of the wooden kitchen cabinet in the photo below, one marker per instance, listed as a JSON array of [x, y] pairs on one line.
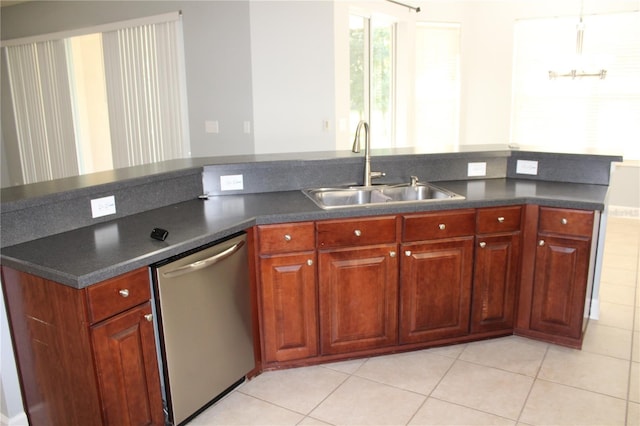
[[85, 356], [358, 284], [288, 291], [561, 272], [436, 270], [496, 269]]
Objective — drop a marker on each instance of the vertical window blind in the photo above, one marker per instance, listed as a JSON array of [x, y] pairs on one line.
[[144, 90], [582, 112]]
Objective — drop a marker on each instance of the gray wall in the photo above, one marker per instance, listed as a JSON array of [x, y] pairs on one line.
[[217, 42]]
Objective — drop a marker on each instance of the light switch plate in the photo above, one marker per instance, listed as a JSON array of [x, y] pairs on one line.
[[103, 206], [527, 167], [231, 183], [477, 169]]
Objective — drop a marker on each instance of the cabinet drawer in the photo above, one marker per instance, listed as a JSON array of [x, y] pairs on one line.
[[118, 294], [499, 219], [356, 232], [286, 238], [566, 221], [437, 225]]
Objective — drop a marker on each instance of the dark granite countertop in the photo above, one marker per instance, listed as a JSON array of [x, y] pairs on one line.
[[94, 253]]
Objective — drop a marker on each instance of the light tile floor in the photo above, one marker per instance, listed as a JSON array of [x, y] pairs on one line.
[[505, 381]]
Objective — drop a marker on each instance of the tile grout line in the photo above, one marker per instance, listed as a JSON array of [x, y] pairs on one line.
[[533, 383], [633, 332]]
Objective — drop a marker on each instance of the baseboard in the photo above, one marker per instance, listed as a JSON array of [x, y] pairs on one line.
[[17, 420], [624, 211], [594, 312]]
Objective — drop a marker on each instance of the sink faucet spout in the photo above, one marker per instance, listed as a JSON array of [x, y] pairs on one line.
[[368, 174]]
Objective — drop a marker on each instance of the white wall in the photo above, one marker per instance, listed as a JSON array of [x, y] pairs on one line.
[[292, 58]]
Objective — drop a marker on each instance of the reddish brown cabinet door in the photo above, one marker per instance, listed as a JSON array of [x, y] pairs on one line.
[[494, 282], [435, 289], [127, 368], [358, 298], [289, 307], [560, 283]]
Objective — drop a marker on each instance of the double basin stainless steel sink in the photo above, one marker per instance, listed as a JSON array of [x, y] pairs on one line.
[[332, 198]]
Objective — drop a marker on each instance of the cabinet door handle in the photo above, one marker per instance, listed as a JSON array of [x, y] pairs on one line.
[[407, 253], [309, 262], [501, 219], [357, 232], [442, 226], [287, 237], [124, 292], [149, 317], [483, 244], [392, 254], [564, 221], [541, 243]]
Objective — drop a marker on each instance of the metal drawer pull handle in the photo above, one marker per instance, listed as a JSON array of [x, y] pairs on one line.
[[483, 244], [392, 253], [124, 292], [357, 232], [149, 317], [541, 243], [407, 253], [200, 264], [309, 262], [287, 237], [442, 226], [564, 221], [501, 219]]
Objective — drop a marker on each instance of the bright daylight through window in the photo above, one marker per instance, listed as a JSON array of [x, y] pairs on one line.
[[108, 98], [597, 111]]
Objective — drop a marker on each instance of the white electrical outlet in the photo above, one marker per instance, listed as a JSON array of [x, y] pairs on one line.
[[527, 167], [103, 206], [231, 183], [211, 126], [477, 169]]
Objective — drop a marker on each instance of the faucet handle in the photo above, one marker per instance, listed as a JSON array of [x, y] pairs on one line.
[[414, 180], [377, 174]]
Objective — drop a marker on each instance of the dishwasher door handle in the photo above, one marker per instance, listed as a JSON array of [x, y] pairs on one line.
[[205, 263]]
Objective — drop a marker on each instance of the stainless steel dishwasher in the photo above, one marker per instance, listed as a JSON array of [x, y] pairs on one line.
[[204, 322]]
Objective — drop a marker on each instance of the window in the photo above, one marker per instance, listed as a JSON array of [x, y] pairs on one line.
[[580, 112], [372, 77], [437, 84], [107, 99], [404, 80]]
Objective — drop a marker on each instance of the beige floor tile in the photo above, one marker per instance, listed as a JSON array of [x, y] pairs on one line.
[[417, 371], [615, 315], [555, 404], [484, 388], [240, 409], [612, 292], [360, 401], [310, 421], [605, 340], [633, 414], [513, 353], [634, 382], [585, 370], [440, 413], [297, 389], [627, 262], [452, 351], [635, 351], [349, 367]]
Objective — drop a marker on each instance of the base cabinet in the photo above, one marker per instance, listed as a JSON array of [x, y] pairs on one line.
[[288, 292], [496, 269], [435, 289], [560, 286], [358, 299], [85, 357]]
